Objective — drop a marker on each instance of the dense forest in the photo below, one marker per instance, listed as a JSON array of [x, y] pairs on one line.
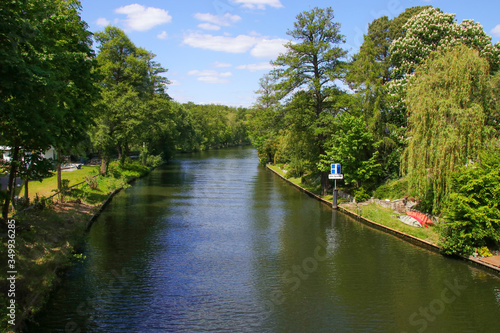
[[414, 113], [420, 117]]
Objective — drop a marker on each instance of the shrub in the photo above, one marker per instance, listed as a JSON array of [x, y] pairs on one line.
[[43, 202], [361, 195], [395, 189], [154, 161], [472, 216], [92, 182], [484, 251]]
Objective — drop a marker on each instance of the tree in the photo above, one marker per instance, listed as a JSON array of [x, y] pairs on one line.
[[449, 102], [265, 118], [472, 215], [368, 75], [432, 30], [356, 149], [131, 78], [46, 62], [313, 63], [74, 68]]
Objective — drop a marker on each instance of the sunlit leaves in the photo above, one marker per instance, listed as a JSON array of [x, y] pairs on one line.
[[448, 103]]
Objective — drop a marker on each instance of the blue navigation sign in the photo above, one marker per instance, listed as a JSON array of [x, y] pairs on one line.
[[336, 169]]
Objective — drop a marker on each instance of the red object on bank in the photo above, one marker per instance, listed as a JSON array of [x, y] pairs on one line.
[[423, 219]]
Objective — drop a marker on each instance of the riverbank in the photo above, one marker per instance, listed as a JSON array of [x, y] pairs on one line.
[[383, 219], [48, 240]]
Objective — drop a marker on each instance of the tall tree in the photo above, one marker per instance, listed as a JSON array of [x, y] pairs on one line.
[[265, 118], [131, 78], [47, 82], [313, 62], [449, 101]]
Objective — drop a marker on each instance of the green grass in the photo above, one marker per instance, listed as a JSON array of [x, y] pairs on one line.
[[393, 189], [387, 217], [45, 188]]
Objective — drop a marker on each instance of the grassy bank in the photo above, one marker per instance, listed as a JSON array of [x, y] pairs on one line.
[[373, 212], [49, 236], [47, 187], [388, 218]]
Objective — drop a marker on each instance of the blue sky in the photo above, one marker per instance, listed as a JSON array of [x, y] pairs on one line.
[[216, 50]]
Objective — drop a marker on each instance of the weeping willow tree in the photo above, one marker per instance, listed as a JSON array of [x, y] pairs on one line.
[[448, 102]]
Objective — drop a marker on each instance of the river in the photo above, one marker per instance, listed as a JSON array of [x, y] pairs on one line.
[[212, 242]]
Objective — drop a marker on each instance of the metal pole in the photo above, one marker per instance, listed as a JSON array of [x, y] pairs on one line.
[[335, 192]]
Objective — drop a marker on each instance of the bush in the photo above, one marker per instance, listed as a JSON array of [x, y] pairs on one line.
[[395, 189], [43, 202], [154, 161], [361, 195], [472, 214], [92, 182]]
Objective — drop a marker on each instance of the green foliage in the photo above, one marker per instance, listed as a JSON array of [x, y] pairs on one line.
[[368, 75], [448, 102], [312, 64], [484, 251], [472, 215], [353, 147], [154, 161], [361, 195], [79, 257], [217, 126], [429, 31], [394, 189], [265, 121], [47, 64], [432, 30], [43, 202], [91, 182]]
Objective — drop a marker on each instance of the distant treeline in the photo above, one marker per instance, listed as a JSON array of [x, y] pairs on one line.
[[55, 91]]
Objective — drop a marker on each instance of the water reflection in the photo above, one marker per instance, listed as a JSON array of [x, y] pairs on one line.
[[213, 242]]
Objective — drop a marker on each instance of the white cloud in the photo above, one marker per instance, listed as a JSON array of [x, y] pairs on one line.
[[256, 67], [174, 83], [162, 35], [269, 48], [222, 20], [208, 26], [210, 76], [142, 18], [101, 21], [259, 4], [259, 47], [238, 44], [496, 31], [221, 64]]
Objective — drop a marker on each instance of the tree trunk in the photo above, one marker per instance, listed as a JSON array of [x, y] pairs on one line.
[[126, 150], [121, 158], [26, 191], [59, 173], [11, 186], [104, 165]]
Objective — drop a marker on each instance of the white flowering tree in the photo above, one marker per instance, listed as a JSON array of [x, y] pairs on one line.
[[426, 32], [432, 30]]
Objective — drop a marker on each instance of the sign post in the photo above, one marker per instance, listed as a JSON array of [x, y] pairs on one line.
[[335, 174]]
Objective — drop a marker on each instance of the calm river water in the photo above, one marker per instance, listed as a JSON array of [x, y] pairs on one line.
[[213, 242]]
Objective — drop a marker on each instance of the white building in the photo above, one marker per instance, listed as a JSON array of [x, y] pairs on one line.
[[5, 151]]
